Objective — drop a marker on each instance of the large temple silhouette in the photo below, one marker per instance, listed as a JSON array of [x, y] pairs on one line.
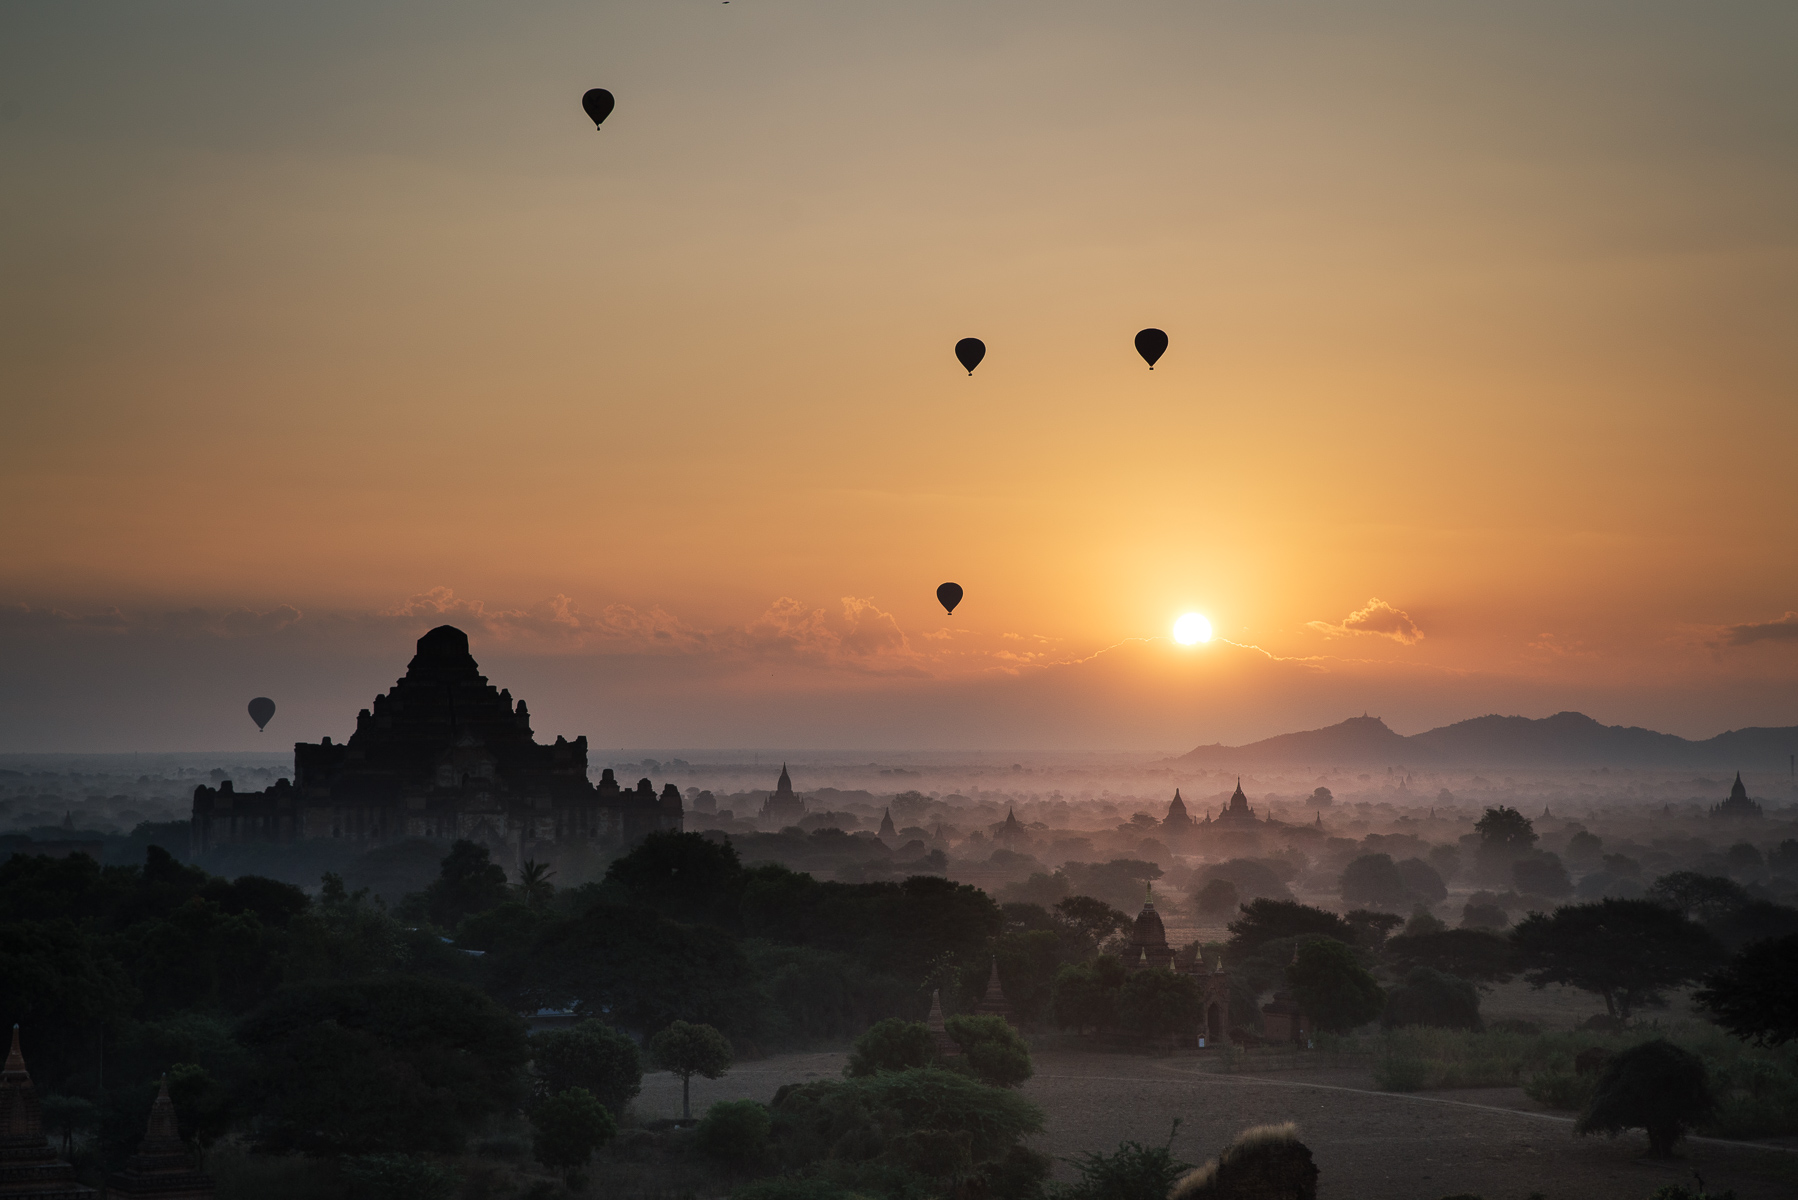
[[443, 755]]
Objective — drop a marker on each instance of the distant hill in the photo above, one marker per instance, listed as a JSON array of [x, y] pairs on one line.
[[1566, 739]]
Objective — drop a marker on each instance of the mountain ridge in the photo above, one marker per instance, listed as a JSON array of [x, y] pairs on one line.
[[1566, 739]]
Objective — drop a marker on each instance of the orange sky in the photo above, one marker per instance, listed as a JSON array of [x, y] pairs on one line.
[[1484, 312]]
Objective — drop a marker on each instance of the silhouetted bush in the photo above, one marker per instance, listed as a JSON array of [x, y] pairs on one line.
[[1267, 1162], [991, 1049], [735, 1133], [1332, 988], [1133, 1172], [891, 1045], [591, 1055], [1655, 1087], [1428, 997]]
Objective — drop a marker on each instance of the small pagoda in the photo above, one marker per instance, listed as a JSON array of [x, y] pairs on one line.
[[163, 1166], [994, 1003], [29, 1168]]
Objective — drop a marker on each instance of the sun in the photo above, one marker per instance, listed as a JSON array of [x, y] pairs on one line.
[[1191, 629]]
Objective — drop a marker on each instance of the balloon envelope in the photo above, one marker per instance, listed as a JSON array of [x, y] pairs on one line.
[[969, 352], [598, 103], [949, 595], [1151, 344], [261, 709]]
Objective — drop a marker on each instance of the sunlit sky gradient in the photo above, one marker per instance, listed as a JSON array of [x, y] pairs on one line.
[[323, 323]]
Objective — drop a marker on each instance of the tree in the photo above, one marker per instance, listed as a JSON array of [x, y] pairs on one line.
[[534, 885], [1265, 920], [687, 876], [1217, 898], [1372, 927], [570, 1126], [1160, 1003], [1505, 828], [1700, 897], [1422, 884], [894, 1044], [689, 1050], [1331, 987], [1027, 963], [1373, 879], [1085, 995], [1656, 1087], [734, 1132], [1752, 996], [992, 1049], [1432, 998], [1627, 951], [1541, 874], [467, 883], [1584, 847], [1093, 919], [1471, 954], [590, 1055], [1255, 878], [392, 1063], [641, 969], [1320, 798]]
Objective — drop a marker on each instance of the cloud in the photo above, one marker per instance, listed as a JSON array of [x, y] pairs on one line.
[[1785, 629], [1378, 618], [861, 636]]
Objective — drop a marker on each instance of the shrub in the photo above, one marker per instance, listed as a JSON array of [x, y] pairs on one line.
[[894, 1044], [1432, 998], [992, 1049], [570, 1126], [1565, 1090], [589, 1055], [851, 1119], [734, 1132], [400, 1177], [1401, 1073], [1134, 1172], [1267, 1160], [1656, 1087]]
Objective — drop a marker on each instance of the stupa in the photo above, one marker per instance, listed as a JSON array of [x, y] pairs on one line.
[[163, 1166], [29, 1168]]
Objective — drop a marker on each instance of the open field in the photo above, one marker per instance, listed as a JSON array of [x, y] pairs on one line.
[[1421, 1146]]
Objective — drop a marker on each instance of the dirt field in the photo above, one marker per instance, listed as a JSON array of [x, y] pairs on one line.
[[1369, 1145]]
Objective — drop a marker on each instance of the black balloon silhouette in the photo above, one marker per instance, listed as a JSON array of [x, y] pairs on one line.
[[261, 709], [949, 594], [969, 352], [1151, 344], [598, 103]]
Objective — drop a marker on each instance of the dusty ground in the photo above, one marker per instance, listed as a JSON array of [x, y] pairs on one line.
[[1490, 1141]]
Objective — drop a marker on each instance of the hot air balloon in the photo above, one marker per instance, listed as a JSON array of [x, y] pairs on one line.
[[598, 103], [969, 352], [261, 709], [949, 594], [1151, 344]]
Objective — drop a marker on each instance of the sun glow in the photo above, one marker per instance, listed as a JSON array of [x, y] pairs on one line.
[[1191, 629]]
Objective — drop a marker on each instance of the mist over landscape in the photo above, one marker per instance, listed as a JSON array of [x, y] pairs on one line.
[[775, 600]]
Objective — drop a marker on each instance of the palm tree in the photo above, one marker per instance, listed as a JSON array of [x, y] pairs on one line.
[[534, 882]]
